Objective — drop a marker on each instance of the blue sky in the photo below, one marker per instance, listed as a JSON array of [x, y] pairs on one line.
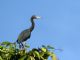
[[58, 27]]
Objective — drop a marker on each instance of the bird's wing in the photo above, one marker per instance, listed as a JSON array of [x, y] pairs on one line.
[[23, 35]]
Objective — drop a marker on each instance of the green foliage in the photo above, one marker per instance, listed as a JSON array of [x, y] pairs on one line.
[[8, 51]]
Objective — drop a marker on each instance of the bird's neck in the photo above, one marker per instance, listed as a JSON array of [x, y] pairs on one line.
[[33, 24]]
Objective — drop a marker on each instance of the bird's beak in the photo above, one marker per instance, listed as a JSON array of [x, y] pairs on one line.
[[38, 17]]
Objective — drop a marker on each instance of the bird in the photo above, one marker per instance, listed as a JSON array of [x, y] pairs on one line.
[[26, 34]]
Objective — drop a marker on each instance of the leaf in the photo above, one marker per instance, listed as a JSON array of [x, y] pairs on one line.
[[1, 47], [32, 58], [22, 58], [54, 57], [41, 54], [44, 46], [27, 46], [43, 49], [29, 58], [50, 47], [5, 43], [1, 58], [36, 54]]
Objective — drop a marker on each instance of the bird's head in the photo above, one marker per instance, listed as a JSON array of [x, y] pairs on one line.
[[35, 17]]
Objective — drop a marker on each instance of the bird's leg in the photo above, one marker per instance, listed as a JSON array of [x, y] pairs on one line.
[[20, 45]]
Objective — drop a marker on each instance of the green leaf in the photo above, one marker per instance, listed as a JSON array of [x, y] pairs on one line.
[[36, 54], [41, 54], [1, 47], [43, 49], [44, 46], [53, 56], [5, 43], [50, 47], [32, 58], [1, 58], [29, 58], [27, 46], [22, 58]]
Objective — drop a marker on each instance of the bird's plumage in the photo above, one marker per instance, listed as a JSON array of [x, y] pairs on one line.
[[24, 35]]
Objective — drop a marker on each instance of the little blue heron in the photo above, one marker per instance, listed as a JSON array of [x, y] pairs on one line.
[[25, 34]]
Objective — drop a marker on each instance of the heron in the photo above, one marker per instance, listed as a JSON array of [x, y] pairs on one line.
[[26, 34]]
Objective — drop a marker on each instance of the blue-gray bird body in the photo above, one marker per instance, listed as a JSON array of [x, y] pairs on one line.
[[24, 35]]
